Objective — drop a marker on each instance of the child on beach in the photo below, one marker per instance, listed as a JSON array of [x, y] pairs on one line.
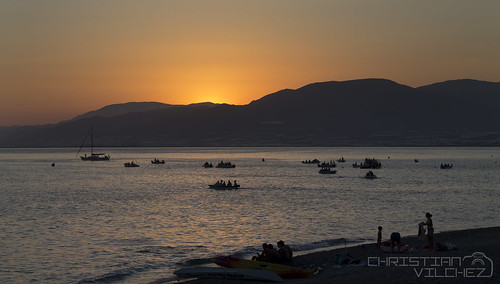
[[379, 237], [421, 235]]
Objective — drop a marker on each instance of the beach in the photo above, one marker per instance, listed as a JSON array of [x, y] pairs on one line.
[[414, 266]]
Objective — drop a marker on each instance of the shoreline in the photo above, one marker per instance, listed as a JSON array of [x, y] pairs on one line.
[[414, 266]]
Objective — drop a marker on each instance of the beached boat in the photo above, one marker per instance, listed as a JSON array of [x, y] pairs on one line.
[[228, 273], [327, 170], [225, 165], [157, 162], [284, 271], [93, 156], [131, 164]]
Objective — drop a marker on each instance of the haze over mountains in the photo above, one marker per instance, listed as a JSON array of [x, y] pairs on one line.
[[367, 112]]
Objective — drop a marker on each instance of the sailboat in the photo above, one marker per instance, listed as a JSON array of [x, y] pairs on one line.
[[93, 156]]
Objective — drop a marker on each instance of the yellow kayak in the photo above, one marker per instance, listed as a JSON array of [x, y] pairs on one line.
[[282, 270]]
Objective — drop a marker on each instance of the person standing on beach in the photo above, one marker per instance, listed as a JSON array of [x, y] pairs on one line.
[[430, 229], [379, 237]]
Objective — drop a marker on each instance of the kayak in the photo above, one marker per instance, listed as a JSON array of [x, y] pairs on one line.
[[228, 273], [282, 270]]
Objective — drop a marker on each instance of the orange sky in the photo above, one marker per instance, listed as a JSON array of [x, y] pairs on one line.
[[59, 59]]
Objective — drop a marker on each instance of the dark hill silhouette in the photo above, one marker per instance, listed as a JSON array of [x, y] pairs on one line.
[[368, 112]]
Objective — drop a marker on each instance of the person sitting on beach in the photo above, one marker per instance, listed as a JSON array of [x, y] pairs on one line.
[[285, 252], [261, 256], [395, 239], [379, 237], [430, 230], [274, 255]]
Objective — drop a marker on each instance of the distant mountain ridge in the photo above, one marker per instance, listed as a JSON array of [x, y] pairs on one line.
[[365, 112]]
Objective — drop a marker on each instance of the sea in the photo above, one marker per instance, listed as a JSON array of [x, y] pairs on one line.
[[100, 222]]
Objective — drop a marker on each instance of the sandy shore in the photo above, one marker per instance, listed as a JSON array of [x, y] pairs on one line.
[[414, 266]]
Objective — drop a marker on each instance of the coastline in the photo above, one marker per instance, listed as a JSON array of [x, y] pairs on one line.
[[409, 267]]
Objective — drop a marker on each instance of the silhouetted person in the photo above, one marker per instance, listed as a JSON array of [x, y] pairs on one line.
[[395, 239], [285, 252], [430, 229], [379, 237]]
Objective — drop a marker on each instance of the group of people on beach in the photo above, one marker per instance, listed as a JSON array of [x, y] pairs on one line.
[[283, 254], [396, 237]]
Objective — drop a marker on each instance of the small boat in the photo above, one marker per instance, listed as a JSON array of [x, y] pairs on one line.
[[330, 164], [370, 175], [223, 185], [208, 165], [446, 166], [341, 160], [228, 273], [283, 271], [225, 165], [416, 160], [157, 161], [131, 164], [93, 156], [355, 165], [315, 161], [327, 170], [370, 164]]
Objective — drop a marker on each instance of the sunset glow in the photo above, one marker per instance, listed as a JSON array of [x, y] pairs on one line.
[[60, 59]]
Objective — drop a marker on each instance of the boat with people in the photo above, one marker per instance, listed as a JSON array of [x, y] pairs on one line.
[[157, 161], [370, 164], [370, 175], [315, 161], [223, 185], [327, 170], [225, 165], [330, 164], [93, 156], [208, 165], [131, 164], [446, 166], [341, 160]]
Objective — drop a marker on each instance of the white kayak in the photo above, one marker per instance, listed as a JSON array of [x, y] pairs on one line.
[[228, 273]]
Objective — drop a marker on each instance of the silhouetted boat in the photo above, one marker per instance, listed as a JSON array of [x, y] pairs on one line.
[[208, 165], [327, 170], [446, 166], [131, 165], [370, 175], [157, 161], [370, 164], [341, 160], [315, 161], [225, 165], [330, 164], [223, 185], [93, 156]]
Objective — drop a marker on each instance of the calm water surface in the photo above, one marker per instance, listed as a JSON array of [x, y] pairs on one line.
[[84, 221]]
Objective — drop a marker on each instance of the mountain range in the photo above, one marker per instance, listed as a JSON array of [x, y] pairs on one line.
[[365, 112]]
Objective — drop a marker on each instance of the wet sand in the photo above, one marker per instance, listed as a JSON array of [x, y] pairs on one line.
[[414, 266]]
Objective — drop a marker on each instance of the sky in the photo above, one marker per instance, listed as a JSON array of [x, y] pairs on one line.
[[59, 59]]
